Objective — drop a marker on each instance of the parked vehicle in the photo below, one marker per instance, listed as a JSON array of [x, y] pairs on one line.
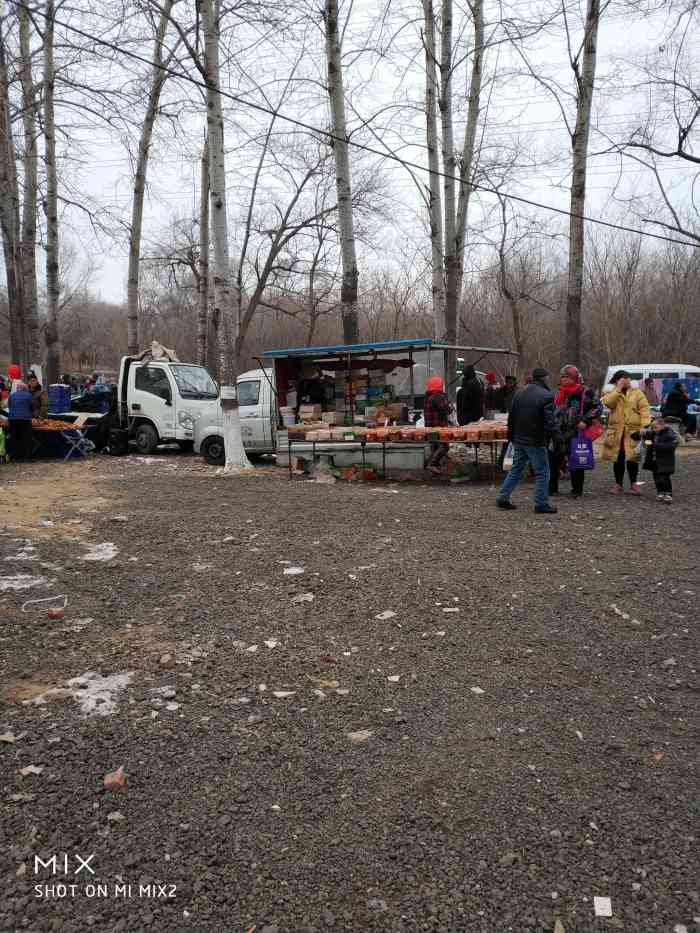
[[160, 401], [256, 407], [665, 373]]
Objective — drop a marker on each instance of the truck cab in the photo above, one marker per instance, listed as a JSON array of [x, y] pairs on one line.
[[161, 401], [256, 408]]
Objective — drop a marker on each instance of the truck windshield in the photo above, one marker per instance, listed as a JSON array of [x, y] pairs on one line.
[[194, 382]]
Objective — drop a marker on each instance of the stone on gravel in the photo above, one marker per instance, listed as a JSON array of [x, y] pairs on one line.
[[477, 690], [167, 661], [669, 662], [509, 859], [115, 780], [283, 694], [359, 738], [116, 816], [31, 769], [304, 598], [387, 614], [377, 903]]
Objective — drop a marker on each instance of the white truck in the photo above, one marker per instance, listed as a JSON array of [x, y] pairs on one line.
[[160, 401], [256, 407]]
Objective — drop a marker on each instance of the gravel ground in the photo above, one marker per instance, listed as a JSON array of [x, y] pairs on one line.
[[384, 707]]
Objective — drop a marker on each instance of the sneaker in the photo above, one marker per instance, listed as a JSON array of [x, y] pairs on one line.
[[636, 489], [546, 509], [616, 490], [575, 495], [668, 498], [505, 504], [661, 497]]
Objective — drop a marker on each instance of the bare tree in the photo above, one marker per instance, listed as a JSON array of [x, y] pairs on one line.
[[583, 65], [203, 260], [9, 210], [336, 95], [236, 458], [52, 338], [30, 188], [158, 77]]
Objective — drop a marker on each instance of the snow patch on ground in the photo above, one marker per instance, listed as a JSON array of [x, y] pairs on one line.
[[97, 695], [104, 551], [21, 581], [26, 552]]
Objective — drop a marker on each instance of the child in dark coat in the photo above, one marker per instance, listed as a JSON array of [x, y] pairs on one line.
[[660, 442]]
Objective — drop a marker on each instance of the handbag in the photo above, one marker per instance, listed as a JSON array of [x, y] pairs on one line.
[[594, 431], [581, 453]]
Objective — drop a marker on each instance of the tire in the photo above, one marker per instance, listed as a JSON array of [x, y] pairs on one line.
[[146, 438], [185, 446], [213, 451]]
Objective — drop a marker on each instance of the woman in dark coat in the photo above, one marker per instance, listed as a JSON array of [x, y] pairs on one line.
[[676, 406], [577, 409], [470, 398]]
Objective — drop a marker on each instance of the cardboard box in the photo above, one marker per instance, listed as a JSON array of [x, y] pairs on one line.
[[310, 413]]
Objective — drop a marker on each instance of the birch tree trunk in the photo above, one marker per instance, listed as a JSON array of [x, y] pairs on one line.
[[346, 227], [158, 77], [435, 200], [236, 459], [449, 164], [29, 199], [203, 281], [9, 213], [466, 170], [585, 81], [53, 347]]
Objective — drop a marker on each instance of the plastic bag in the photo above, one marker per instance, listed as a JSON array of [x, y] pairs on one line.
[[581, 453], [508, 459]]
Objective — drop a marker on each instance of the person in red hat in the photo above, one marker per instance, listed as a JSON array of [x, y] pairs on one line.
[[577, 410], [491, 393], [436, 414]]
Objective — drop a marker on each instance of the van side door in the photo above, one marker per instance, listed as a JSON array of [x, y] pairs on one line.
[[151, 396], [254, 412]]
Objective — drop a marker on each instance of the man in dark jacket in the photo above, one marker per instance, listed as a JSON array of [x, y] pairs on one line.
[[470, 398], [531, 425]]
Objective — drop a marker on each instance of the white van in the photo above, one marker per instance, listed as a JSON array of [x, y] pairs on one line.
[[641, 371], [160, 402], [256, 408]]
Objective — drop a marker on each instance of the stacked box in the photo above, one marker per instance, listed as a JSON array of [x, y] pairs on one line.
[[310, 412]]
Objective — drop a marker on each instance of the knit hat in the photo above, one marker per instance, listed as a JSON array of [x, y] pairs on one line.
[[491, 376], [434, 384], [14, 371], [571, 372]]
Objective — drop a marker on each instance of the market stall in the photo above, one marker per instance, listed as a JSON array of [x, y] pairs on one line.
[[53, 438], [359, 404]]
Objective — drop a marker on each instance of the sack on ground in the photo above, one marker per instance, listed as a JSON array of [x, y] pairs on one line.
[[581, 453]]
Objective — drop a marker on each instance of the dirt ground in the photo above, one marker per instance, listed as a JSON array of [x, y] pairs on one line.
[[350, 707]]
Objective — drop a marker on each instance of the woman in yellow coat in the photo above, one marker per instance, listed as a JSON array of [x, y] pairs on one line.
[[629, 412]]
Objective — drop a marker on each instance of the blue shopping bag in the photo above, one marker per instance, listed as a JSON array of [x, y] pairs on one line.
[[581, 453]]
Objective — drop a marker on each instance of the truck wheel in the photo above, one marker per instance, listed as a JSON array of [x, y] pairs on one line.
[[185, 446], [146, 438], [213, 451]]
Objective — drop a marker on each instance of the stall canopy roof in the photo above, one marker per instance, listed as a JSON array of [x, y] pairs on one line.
[[384, 346]]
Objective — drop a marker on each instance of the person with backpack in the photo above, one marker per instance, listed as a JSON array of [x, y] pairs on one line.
[[532, 425], [577, 410]]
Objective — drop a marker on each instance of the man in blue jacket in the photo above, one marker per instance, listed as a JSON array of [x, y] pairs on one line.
[[20, 411], [531, 425]]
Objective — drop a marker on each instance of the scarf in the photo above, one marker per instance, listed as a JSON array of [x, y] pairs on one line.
[[566, 392]]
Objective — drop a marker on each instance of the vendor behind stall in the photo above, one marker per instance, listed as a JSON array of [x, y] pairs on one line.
[[20, 415], [40, 398], [310, 390]]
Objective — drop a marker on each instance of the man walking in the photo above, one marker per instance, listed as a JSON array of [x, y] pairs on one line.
[[531, 425]]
